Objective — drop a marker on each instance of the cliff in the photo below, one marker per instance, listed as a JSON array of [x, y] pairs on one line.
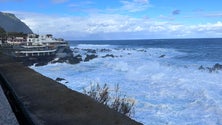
[[10, 23]]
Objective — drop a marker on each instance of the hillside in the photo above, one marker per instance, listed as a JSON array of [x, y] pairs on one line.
[[10, 23]]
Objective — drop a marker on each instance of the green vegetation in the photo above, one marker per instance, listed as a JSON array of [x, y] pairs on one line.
[[16, 34], [115, 101], [2, 30], [2, 34]]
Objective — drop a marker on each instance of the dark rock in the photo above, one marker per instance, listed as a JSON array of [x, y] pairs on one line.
[[90, 50], [65, 54], [201, 68], [59, 79], [75, 60], [108, 55], [70, 60], [68, 50], [90, 57], [38, 61], [217, 66], [105, 50], [75, 50], [162, 56], [142, 50]]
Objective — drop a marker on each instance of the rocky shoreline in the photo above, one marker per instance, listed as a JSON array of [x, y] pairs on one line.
[[217, 67], [77, 55], [63, 55]]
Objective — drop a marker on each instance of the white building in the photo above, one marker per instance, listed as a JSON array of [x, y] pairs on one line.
[[34, 39], [16, 40], [39, 45]]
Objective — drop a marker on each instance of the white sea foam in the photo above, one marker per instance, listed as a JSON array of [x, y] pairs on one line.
[[166, 91], [90, 46]]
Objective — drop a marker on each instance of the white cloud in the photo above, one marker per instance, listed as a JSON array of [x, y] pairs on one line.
[[114, 26], [135, 5], [215, 14], [170, 18]]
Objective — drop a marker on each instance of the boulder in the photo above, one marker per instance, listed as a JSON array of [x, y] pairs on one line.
[[106, 50], [67, 59], [63, 52], [217, 66], [59, 79], [108, 55], [90, 57], [162, 56], [201, 68], [75, 60], [90, 50]]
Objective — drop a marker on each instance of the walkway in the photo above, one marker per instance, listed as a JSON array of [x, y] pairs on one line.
[[7, 117]]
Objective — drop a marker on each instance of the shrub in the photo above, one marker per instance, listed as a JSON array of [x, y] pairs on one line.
[[116, 102], [99, 94]]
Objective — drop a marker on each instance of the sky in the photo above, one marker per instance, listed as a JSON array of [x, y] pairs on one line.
[[119, 19]]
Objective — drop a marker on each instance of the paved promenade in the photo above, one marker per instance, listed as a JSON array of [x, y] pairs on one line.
[[7, 117]]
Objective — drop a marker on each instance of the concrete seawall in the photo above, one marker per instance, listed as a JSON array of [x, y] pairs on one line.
[[38, 100]]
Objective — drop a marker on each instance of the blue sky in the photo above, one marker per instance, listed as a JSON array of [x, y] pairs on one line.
[[120, 19]]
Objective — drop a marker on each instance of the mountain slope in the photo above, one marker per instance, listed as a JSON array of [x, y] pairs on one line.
[[10, 23]]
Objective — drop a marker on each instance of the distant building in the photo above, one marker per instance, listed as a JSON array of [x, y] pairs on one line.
[[34, 39], [29, 45], [36, 45], [14, 40]]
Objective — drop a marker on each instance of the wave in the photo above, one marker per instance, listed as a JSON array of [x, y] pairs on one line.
[[90, 46]]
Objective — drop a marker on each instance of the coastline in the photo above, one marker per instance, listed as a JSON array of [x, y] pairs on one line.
[[48, 102]]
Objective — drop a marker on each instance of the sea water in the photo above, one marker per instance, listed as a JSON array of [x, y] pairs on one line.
[[161, 75]]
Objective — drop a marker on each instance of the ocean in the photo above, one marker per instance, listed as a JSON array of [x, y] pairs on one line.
[[161, 75]]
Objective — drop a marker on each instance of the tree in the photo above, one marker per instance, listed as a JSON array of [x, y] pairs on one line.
[[2, 30], [2, 34]]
